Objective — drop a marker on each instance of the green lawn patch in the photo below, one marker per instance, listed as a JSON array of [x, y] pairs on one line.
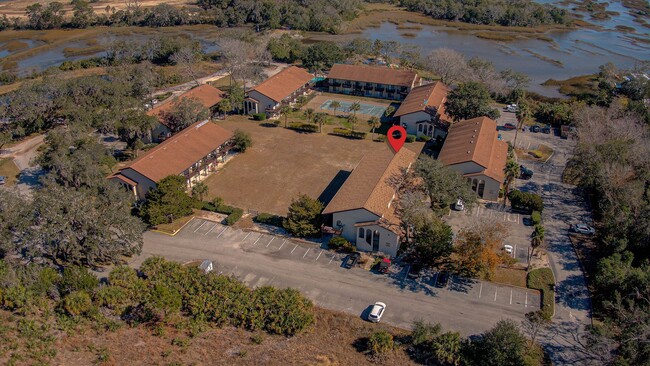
[[542, 279]]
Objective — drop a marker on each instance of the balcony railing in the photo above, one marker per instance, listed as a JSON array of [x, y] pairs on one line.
[[347, 85]]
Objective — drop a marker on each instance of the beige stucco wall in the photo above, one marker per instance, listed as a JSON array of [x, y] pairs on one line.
[[144, 184], [263, 101], [409, 121], [388, 243]]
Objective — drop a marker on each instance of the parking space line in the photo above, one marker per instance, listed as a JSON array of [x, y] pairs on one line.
[[303, 256], [246, 236], [200, 226], [212, 228], [285, 240], [510, 296], [258, 239], [331, 259], [223, 231], [514, 252], [269, 243], [321, 252], [480, 290], [294, 248], [495, 293], [526, 303]]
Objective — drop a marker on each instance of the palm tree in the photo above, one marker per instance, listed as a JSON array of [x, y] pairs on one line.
[[447, 348], [284, 111], [374, 122], [309, 113], [523, 115], [199, 191], [320, 118], [354, 108], [335, 105], [389, 111], [224, 106], [511, 171], [352, 119], [537, 239]]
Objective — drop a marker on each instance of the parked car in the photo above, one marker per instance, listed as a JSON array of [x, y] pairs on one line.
[[384, 265], [535, 128], [414, 271], [546, 129], [499, 137], [527, 221], [509, 126], [525, 173], [352, 260], [3, 180], [443, 278], [583, 229], [459, 205], [376, 312], [508, 248], [511, 108]]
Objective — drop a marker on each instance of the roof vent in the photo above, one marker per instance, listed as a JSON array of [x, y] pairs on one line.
[[471, 142], [469, 152]]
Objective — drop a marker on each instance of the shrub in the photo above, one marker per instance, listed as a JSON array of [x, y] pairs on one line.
[[349, 133], [380, 138], [410, 138], [542, 279], [380, 342], [424, 138], [77, 279], [15, 297], [236, 214], [526, 201], [303, 219], [259, 116], [536, 217], [285, 311], [77, 303], [113, 297], [269, 219], [305, 127], [338, 242], [242, 140]]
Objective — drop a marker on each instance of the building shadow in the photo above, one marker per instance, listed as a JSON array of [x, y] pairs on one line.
[[334, 185]]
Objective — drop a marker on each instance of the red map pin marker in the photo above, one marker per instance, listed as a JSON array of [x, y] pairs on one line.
[[396, 137]]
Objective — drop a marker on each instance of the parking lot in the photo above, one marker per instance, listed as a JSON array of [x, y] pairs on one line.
[[260, 259]]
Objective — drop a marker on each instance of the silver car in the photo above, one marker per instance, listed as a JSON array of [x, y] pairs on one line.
[[584, 229], [376, 312]]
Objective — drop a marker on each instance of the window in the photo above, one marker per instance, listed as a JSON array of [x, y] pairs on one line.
[[368, 236], [419, 128], [339, 223], [361, 231], [375, 241]]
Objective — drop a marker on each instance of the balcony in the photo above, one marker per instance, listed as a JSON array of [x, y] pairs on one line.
[[336, 84], [367, 87], [347, 85]]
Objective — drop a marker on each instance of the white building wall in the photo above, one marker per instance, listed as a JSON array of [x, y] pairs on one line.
[[469, 167], [388, 241], [144, 184], [263, 101], [408, 121], [349, 218]]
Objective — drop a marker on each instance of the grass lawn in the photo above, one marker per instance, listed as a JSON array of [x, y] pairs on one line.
[[176, 225], [510, 276], [542, 279], [542, 153], [283, 163], [9, 170]]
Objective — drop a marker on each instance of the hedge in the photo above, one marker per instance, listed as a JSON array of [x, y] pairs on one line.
[[259, 116], [305, 127], [348, 133], [526, 201], [542, 279], [536, 217], [410, 138], [234, 213], [269, 219]]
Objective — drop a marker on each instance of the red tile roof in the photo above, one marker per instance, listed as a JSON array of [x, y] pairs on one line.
[[369, 186], [181, 151], [429, 98], [475, 140], [371, 74], [282, 84], [208, 95]]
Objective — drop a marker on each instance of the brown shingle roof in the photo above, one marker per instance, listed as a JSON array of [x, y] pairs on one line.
[[208, 95], [470, 140], [475, 140], [369, 187], [282, 84], [429, 98], [181, 151], [370, 74]]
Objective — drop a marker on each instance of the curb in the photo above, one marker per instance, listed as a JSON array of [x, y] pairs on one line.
[[175, 232]]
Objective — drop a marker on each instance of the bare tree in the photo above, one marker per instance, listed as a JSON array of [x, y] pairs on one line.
[[186, 58], [450, 65]]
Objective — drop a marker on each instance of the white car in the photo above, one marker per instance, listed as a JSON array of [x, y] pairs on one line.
[[459, 206], [376, 312], [584, 229], [512, 108], [508, 248]]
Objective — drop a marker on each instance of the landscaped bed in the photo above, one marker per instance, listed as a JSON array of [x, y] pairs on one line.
[[543, 279]]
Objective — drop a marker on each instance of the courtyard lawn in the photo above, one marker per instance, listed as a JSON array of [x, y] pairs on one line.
[[9, 170], [283, 163]]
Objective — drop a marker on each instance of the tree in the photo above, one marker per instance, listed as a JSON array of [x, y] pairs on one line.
[[476, 248], [167, 202], [354, 108], [322, 55], [224, 107], [389, 111], [236, 97], [5, 137], [535, 322], [309, 113], [133, 127], [184, 112], [503, 345], [242, 140], [432, 241], [373, 122], [380, 342], [83, 14], [48, 17], [335, 105], [199, 191], [352, 120], [537, 239], [447, 349], [413, 210], [320, 118], [284, 111], [523, 117], [450, 65], [470, 100], [186, 59], [303, 219], [512, 172], [443, 185], [285, 49], [77, 226]]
